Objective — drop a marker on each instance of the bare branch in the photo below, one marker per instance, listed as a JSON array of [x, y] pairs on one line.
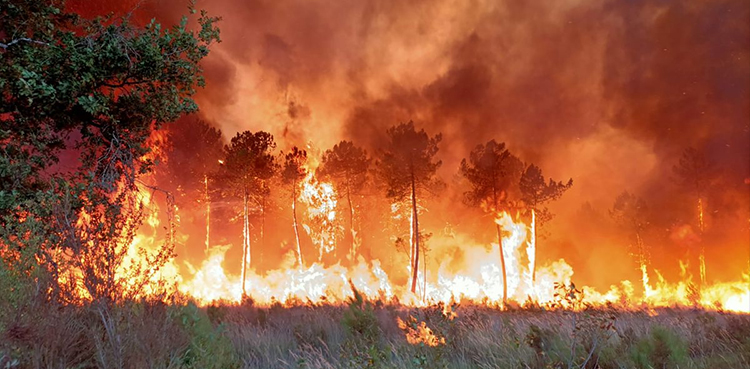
[[23, 39]]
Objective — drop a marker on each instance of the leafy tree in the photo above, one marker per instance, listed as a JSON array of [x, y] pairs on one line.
[[493, 172], [535, 192], [408, 169], [98, 88], [632, 213], [696, 175], [346, 165], [247, 167], [293, 173]]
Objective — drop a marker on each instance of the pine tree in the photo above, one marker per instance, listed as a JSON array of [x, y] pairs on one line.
[[535, 192], [293, 173], [248, 164], [493, 173], [346, 165], [408, 169]]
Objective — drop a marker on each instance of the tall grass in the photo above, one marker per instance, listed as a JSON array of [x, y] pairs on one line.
[[365, 334]]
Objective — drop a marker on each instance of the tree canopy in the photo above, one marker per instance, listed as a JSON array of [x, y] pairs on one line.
[[97, 88], [492, 172], [346, 165], [409, 158], [535, 192], [248, 162]]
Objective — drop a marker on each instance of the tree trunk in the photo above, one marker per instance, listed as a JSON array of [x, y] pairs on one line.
[[208, 214], [415, 267], [502, 263], [702, 256], [424, 276], [294, 223], [245, 240], [500, 245], [533, 246], [353, 249], [262, 229]]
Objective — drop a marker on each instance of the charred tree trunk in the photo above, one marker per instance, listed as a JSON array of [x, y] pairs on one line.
[[294, 223], [415, 266]]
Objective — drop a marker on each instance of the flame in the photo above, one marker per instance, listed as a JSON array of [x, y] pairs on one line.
[[419, 333], [479, 281], [320, 198], [477, 278]]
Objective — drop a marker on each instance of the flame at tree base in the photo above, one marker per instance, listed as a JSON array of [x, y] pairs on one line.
[[318, 284], [477, 278]]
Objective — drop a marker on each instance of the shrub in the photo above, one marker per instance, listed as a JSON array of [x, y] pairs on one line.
[[208, 347], [363, 348], [661, 349]]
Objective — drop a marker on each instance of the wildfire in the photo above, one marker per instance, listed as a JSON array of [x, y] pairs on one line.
[[320, 198], [477, 279], [419, 333]]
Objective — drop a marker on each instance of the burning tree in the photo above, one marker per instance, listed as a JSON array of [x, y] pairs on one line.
[[193, 149], [347, 165], [631, 213], [696, 175], [408, 168], [535, 192], [492, 172], [293, 173], [100, 88], [248, 165]]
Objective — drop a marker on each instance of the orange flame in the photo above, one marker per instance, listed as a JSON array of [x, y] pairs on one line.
[[419, 333], [477, 278]]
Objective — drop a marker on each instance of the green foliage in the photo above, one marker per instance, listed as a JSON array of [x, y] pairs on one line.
[[661, 349], [360, 321], [363, 346], [98, 86], [208, 347]]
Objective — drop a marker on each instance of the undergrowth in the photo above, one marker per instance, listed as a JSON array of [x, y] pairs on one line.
[[364, 334]]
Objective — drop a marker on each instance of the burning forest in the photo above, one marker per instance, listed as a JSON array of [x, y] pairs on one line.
[[435, 184]]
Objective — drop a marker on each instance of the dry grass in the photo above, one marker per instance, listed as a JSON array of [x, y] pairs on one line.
[[366, 335]]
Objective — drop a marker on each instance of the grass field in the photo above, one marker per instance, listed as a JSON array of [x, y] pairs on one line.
[[368, 335]]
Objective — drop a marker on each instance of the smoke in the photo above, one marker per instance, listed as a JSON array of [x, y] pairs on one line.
[[607, 92]]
